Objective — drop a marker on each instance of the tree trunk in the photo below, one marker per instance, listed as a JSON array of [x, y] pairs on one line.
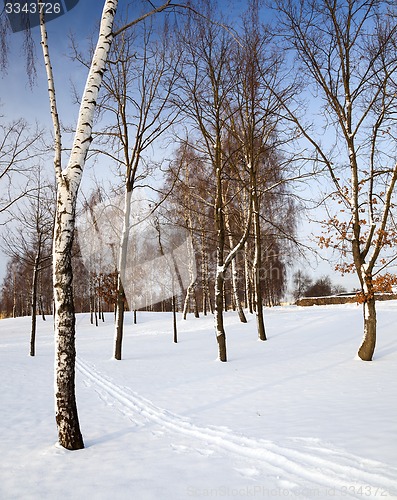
[[207, 305], [174, 319], [367, 347], [189, 298], [235, 288], [14, 303], [66, 409], [34, 299], [219, 328], [257, 270], [68, 182], [41, 306], [248, 287], [118, 341], [220, 270]]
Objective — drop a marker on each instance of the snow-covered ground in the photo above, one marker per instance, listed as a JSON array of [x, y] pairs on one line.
[[294, 417]]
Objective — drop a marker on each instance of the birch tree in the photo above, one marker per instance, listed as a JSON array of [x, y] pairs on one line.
[[256, 124], [134, 106], [68, 181], [206, 84], [189, 206], [254, 134], [348, 58]]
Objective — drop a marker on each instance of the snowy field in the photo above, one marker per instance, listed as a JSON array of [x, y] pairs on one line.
[[295, 417]]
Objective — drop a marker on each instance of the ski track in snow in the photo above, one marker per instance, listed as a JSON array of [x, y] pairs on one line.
[[316, 464]]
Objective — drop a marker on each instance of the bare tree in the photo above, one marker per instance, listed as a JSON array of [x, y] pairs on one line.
[[254, 124], [134, 105], [347, 54], [18, 148], [206, 84], [189, 206], [302, 282], [29, 239], [68, 182]]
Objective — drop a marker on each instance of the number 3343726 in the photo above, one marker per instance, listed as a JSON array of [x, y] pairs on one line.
[[33, 8]]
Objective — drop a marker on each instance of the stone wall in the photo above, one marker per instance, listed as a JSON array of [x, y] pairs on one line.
[[339, 299]]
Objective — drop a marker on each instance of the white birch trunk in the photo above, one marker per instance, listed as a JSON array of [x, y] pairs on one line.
[[248, 287], [235, 289], [118, 338], [218, 313], [207, 305], [191, 290], [68, 182]]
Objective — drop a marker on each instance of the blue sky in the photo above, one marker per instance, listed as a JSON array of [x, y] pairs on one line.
[[18, 99]]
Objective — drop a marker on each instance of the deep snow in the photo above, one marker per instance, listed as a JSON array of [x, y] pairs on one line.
[[294, 417]]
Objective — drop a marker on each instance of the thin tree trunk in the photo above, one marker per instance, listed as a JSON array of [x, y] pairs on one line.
[[101, 308], [225, 302], [174, 319], [95, 310], [257, 270], [41, 305], [237, 302], [118, 341], [189, 298], [248, 287], [191, 290], [34, 300], [14, 304], [222, 264], [91, 299], [204, 275], [220, 268], [220, 331]]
